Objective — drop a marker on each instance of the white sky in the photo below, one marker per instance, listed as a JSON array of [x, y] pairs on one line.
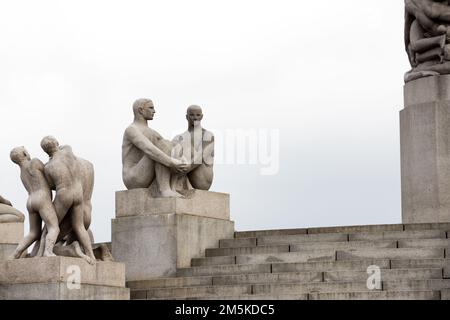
[[327, 74]]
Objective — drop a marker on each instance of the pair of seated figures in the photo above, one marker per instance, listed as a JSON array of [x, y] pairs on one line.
[[168, 168]]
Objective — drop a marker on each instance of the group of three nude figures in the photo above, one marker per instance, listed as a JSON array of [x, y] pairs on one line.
[[148, 159], [67, 216]]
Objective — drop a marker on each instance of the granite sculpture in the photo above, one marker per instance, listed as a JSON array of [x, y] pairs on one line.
[[427, 36]]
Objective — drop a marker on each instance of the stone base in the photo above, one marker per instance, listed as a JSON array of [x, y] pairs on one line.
[[6, 250], [156, 245], [196, 202], [55, 278], [10, 236], [425, 151], [11, 233]]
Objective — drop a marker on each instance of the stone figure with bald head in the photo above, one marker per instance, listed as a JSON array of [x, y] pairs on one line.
[[150, 160], [196, 146]]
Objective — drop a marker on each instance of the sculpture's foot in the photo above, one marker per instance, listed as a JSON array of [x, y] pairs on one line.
[[170, 194], [89, 260], [48, 253]]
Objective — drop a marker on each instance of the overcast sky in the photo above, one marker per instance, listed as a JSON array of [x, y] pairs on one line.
[[327, 74]]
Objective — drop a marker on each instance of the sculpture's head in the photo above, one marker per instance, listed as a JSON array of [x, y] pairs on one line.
[[19, 155], [194, 115], [144, 108], [50, 145]]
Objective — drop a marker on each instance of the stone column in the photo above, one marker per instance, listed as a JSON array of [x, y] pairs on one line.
[[10, 236], [425, 150], [155, 236]]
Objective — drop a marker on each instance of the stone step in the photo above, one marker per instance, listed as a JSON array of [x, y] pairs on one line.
[[323, 255], [344, 229], [331, 237], [445, 294], [362, 295], [305, 256], [377, 295], [170, 282], [424, 243], [184, 292], [386, 275], [360, 265], [407, 253], [399, 235], [215, 252], [312, 287], [420, 285], [423, 263]]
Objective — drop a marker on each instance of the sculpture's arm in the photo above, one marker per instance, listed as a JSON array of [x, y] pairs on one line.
[[145, 145], [4, 201], [430, 14], [49, 179]]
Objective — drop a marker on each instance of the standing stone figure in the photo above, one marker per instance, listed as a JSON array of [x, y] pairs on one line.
[[146, 155], [39, 204], [427, 36], [66, 175], [8, 214], [197, 146]]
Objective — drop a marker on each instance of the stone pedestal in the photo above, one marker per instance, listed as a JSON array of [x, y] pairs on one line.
[[10, 236], [425, 150], [155, 236], [62, 278]]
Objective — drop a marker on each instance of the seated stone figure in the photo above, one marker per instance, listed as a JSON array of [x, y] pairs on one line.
[[146, 155], [196, 147], [427, 35], [9, 214]]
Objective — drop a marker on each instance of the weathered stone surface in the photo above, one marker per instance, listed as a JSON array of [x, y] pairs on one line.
[[59, 269], [260, 297], [425, 156], [156, 245], [11, 233], [398, 235], [236, 243], [376, 295], [386, 275], [6, 250], [170, 282], [357, 265], [306, 256], [47, 279], [419, 263], [299, 277], [343, 245], [357, 229], [445, 294], [246, 250], [263, 233], [213, 261], [321, 237], [408, 253], [59, 291], [424, 243], [139, 202], [420, 285], [186, 292], [223, 270], [309, 287], [427, 226]]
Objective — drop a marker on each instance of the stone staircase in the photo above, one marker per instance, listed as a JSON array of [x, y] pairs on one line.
[[315, 264]]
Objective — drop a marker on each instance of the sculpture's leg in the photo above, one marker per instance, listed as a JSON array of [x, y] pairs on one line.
[[77, 218], [32, 236], [163, 178], [141, 175], [201, 178], [51, 222]]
